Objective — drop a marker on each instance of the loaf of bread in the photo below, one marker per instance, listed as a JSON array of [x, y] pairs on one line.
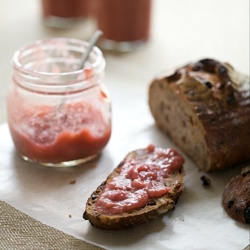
[[146, 184], [204, 107], [236, 197]]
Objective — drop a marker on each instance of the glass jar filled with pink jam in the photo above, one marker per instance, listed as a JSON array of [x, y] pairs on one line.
[[64, 13], [58, 114], [125, 23]]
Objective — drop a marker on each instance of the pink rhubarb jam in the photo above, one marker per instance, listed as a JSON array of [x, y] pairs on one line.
[[139, 180], [75, 131]]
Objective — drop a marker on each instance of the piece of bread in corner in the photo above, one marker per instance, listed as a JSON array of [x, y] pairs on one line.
[[140, 176], [204, 107], [236, 197]]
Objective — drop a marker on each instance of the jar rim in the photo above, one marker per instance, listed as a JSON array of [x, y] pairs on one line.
[[49, 41]]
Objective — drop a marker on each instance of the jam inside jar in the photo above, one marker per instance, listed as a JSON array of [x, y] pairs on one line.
[[64, 13], [58, 115], [125, 24]]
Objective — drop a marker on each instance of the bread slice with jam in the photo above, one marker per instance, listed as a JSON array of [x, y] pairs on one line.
[[146, 184]]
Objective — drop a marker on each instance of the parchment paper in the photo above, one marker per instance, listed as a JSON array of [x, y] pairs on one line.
[[198, 221]]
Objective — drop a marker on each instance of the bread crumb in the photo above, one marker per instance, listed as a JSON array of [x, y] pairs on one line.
[[70, 216], [205, 181], [72, 182]]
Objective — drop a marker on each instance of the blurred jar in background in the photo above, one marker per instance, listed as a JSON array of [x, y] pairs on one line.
[[125, 23], [64, 13]]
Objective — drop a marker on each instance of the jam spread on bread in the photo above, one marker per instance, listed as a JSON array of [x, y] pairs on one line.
[[139, 179]]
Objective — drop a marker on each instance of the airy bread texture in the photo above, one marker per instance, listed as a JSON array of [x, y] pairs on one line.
[[204, 107], [153, 208]]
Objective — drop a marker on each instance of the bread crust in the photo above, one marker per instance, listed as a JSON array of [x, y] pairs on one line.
[[236, 197], [153, 209], [204, 108]]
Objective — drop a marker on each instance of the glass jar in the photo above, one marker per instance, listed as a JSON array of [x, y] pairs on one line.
[[64, 13], [125, 24], [58, 114]]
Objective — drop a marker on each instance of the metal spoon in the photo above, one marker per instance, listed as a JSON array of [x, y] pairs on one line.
[[92, 42]]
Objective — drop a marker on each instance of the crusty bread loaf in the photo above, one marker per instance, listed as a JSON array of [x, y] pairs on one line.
[[154, 206], [236, 197], [204, 108]]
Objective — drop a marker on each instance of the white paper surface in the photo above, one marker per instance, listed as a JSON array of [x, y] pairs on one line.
[[198, 221]]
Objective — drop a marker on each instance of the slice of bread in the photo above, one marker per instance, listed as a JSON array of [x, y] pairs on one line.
[[204, 108], [236, 197], [173, 181]]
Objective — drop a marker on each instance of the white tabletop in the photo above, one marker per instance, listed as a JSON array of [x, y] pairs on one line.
[[181, 31]]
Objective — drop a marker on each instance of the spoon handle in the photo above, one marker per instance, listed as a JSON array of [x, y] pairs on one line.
[[92, 42]]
